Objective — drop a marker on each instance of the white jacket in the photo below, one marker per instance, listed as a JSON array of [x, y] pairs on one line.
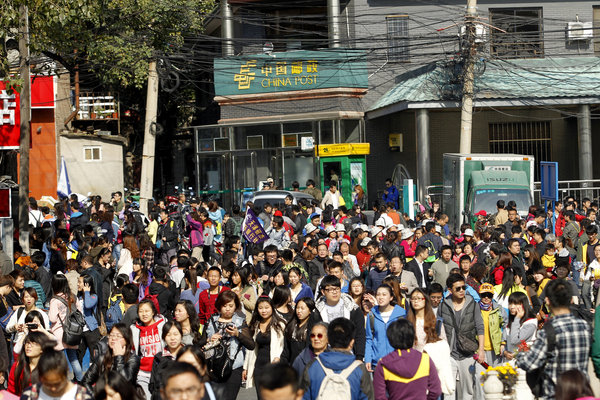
[[276, 348], [439, 352]]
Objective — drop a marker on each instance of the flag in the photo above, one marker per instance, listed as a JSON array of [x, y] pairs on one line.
[[252, 229], [64, 187]]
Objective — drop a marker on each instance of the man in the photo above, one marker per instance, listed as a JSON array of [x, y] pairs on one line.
[[462, 312], [88, 267], [432, 242], [335, 304], [512, 221], [539, 235], [391, 212], [334, 268], [316, 267], [117, 202], [572, 228], [312, 190], [36, 217], [168, 232], [265, 215], [418, 267], [130, 296], [340, 334], [41, 274], [406, 279], [279, 382], [441, 268], [514, 248], [332, 197], [377, 274], [436, 295], [208, 297], [501, 215], [78, 218], [183, 381], [391, 193], [572, 341], [166, 291]]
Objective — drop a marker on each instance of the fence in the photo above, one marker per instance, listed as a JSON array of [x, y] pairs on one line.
[[577, 189]]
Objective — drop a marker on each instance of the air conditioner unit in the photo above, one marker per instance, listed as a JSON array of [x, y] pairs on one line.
[[580, 30], [481, 33]]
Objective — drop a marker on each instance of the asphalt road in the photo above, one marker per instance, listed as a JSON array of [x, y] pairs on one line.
[[247, 394]]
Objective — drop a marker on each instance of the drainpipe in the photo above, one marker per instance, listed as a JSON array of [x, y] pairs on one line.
[[333, 18], [227, 28], [423, 153], [76, 111]]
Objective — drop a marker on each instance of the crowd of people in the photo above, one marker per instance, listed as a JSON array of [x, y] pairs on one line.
[[109, 303]]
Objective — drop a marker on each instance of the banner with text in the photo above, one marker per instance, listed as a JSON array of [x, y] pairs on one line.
[[9, 118], [252, 229]]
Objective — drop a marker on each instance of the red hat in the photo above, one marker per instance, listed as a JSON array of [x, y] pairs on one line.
[[278, 213], [482, 213]]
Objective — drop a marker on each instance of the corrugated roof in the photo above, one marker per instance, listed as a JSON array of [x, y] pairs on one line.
[[499, 79]]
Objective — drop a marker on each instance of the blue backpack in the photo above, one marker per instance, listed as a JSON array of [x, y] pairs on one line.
[[114, 313]]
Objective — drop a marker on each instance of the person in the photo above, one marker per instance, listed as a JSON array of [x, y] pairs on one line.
[[379, 319], [16, 323], [334, 304], [432, 242], [279, 382], [377, 274], [357, 290], [60, 306], [282, 299], [119, 357], [278, 236], [420, 268], [511, 283], [522, 324], [390, 194], [23, 371], [129, 252], [244, 289], [14, 297], [113, 386], [574, 385], [494, 323], [572, 338], [332, 197], [338, 360], [462, 316], [299, 289], [165, 291], [147, 333], [297, 330], [186, 315], [359, 197], [6, 264], [206, 301], [405, 373], [172, 336], [183, 379], [442, 266], [267, 328], [129, 295], [318, 344], [406, 279], [53, 383], [312, 190], [140, 276], [229, 326]]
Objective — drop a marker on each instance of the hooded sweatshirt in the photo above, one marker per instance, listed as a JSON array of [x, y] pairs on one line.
[[407, 375], [147, 341]]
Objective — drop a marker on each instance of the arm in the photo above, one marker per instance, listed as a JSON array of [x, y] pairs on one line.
[[536, 356], [366, 385], [89, 300], [379, 384], [245, 337], [433, 383], [480, 332], [129, 369], [91, 376], [360, 337], [595, 352]]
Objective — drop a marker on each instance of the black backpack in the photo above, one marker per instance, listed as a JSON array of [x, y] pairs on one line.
[[72, 325], [218, 362]]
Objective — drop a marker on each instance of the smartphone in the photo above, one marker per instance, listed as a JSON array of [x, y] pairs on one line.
[[32, 326], [230, 325]]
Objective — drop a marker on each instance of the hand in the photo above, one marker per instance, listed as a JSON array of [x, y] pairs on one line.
[[118, 349], [215, 337], [244, 375], [233, 331], [508, 355], [481, 356], [2, 378], [21, 327], [369, 367], [86, 287], [275, 360], [265, 277], [430, 272]]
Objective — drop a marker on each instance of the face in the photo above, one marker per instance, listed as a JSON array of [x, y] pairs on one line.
[[458, 289], [538, 277], [228, 309], [322, 251], [20, 283], [294, 278], [180, 313], [381, 263], [395, 265], [54, 383], [562, 272], [515, 248], [145, 313], [418, 234], [515, 309], [271, 257], [111, 394], [468, 250], [337, 272], [356, 288], [486, 298], [28, 300], [278, 279], [417, 301], [137, 268], [32, 349], [332, 189], [302, 311], [465, 266], [213, 278], [446, 255], [184, 386], [235, 279], [518, 279], [318, 338], [436, 299], [512, 215], [173, 338], [332, 294], [259, 257], [115, 338], [384, 297], [338, 258]]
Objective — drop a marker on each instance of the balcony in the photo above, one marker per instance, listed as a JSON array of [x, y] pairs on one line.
[[98, 106]]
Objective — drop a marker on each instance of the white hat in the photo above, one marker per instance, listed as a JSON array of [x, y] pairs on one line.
[[400, 227], [406, 233], [375, 230], [339, 227], [438, 229], [468, 232], [329, 229], [364, 227], [365, 242], [310, 228]]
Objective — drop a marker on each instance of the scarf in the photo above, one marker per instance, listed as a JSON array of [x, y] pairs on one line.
[[485, 307]]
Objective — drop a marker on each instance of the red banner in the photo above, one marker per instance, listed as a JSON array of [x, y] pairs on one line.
[[42, 91], [9, 119]]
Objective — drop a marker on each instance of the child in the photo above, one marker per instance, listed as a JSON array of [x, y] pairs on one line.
[[549, 258]]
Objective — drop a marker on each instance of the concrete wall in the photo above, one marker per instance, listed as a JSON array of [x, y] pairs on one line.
[[98, 177]]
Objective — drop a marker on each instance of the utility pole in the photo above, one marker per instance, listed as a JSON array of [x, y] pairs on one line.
[[227, 28], [25, 107], [333, 22], [466, 113], [147, 178]]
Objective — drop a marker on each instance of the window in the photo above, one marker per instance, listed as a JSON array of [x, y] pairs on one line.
[[526, 138], [92, 153], [524, 32], [397, 36]]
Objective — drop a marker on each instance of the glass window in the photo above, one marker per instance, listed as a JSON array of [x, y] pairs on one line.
[[397, 36], [92, 153], [519, 33]]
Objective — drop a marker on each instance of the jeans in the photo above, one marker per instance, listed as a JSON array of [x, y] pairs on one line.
[[75, 364]]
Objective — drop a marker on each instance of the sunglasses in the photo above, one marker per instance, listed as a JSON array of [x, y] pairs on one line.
[[318, 335], [460, 288], [491, 296]]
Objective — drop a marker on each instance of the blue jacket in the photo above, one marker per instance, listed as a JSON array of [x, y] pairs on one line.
[[378, 346], [361, 384], [375, 278], [306, 291], [89, 310], [392, 196]]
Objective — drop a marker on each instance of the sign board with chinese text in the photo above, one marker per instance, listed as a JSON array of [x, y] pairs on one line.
[[290, 71], [549, 180], [10, 118], [342, 149]]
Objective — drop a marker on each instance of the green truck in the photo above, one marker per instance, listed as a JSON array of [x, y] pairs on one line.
[[474, 182]]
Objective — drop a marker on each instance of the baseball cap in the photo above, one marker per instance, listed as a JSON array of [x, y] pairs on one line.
[[483, 213], [486, 288]]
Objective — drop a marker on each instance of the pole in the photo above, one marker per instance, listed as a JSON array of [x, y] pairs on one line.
[[227, 28], [466, 112], [423, 153], [25, 129], [333, 18], [147, 177], [584, 128]]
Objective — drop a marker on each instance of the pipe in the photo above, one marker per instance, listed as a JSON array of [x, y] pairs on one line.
[[333, 19], [586, 165], [227, 28], [423, 152]]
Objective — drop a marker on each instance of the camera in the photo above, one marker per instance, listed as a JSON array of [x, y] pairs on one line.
[[32, 326]]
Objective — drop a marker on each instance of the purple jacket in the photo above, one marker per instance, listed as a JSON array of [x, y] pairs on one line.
[[406, 375], [196, 232]]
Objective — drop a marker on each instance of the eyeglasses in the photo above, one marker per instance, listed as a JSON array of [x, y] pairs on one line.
[[318, 336], [115, 336], [333, 289], [178, 393], [460, 288]]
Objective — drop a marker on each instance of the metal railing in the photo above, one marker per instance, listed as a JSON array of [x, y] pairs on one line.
[[576, 188]]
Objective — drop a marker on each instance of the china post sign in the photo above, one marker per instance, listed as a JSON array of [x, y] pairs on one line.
[[290, 71]]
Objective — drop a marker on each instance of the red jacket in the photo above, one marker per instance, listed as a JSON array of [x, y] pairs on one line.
[[11, 386], [206, 304]]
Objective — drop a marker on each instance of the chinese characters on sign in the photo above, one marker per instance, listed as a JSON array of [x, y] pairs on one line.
[[279, 73], [9, 118], [8, 105], [252, 229]]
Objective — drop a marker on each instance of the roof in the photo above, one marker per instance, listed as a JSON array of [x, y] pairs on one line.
[[499, 79]]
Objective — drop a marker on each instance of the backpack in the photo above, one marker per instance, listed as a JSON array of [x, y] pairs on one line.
[[6, 317], [154, 299], [535, 377], [72, 324], [336, 385], [114, 313], [431, 251]]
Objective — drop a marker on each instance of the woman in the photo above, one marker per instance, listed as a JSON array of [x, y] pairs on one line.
[[130, 225], [390, 246], [34, 322], [531, 258], [281, 278], [359, 198], [468, 250], [392, 281], [522, 324], [504, 262], [573, 385], [14, 297], [430, 337], [54, 382], [30, 282], [147, 251], [357, 290], [244, 289], [193, 293], [318, 344], [6, 311], [381, 316], [147, 332], [278, 236], [298, 288], [282, 297], [511, 283], [60, 305], [185, 314], [16, 324], [172, 335], [129, 252], [87, 302], [23, 372], [297, 330], [119, 357], [140, 276], [113, 386], [408, 240], [267, 328], [231, 327]]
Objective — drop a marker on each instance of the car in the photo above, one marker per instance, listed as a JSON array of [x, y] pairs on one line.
[[275, 197]]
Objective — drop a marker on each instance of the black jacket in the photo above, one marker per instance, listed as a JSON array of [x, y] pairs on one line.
[[167, 299], [127, 368], [413, 267], [160, 366], [391, 249], [315, 271]]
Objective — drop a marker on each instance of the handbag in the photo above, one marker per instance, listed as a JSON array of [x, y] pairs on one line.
[[218, 362], [464, 344]]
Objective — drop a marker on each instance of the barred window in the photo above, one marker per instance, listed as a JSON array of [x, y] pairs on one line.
[[397, 37], [524, 32]]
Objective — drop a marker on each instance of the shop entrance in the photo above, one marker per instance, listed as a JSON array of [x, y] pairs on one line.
[[346, 171]]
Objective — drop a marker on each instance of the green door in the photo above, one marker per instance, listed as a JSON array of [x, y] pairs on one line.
[[347, 171]]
